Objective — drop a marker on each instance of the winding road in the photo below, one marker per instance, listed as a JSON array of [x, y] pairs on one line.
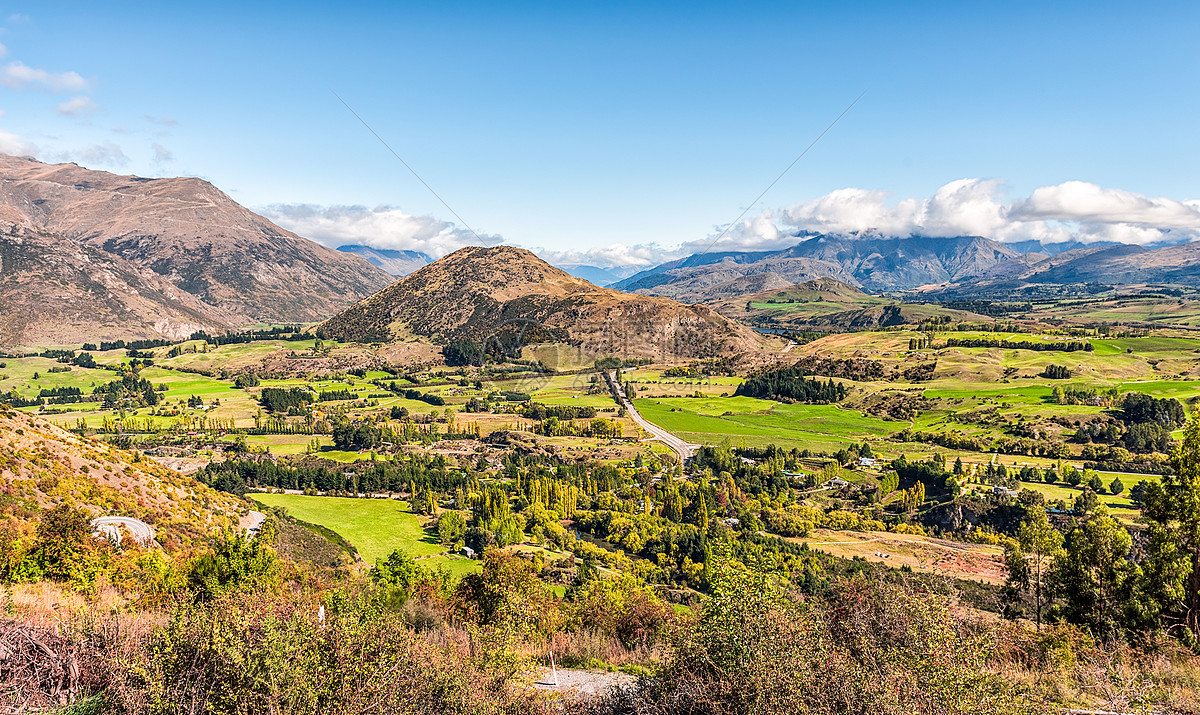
[[110, 527], [683, 448]]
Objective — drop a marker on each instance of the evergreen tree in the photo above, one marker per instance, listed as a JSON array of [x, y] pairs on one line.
[[1093, 575], [1172, 510], [1042, 542]]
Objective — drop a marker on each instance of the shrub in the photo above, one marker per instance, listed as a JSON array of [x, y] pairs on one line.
[[867, 647], [250, 653]]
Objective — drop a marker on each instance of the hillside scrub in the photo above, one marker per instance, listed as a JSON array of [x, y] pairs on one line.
[[246, 632]]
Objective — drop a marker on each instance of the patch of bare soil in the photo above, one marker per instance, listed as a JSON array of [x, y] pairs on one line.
[[582, 682]]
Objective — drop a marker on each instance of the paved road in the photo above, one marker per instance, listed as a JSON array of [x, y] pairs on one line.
[[683, 448], [110, 526]]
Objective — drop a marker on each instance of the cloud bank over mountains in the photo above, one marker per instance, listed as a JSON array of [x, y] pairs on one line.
[[1070, 211], [379, 227]]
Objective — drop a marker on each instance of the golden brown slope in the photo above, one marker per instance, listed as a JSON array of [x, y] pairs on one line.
[[477, 293], [42, 465], [194, 236]]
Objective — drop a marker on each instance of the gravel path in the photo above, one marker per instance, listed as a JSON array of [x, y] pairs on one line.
[[584, 682]]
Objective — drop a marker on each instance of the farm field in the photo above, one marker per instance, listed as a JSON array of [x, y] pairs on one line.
[[760, 422], [374, 527], [944, 557]]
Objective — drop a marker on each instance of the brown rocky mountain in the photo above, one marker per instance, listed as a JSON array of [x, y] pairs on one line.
[[56, 291], [508, 295], [219, 259], [723, 282]]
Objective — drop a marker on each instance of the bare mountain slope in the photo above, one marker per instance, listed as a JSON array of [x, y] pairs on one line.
[[194, 236], [500, 293], [55, 291]]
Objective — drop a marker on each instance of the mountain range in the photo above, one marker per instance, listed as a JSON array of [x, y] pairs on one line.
[[874, 264], [89, 254], [881, 265]]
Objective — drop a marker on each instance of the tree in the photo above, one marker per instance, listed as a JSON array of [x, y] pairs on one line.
[[1086, 502], [1018, 579], [398, 571], [1093, 576], [1137, 494], [246, 380], [1116, 486], [1075, 478], [1042, 541], [508, 596], [1172, 510], [451, 526], [63, 549], [236, 563], [459, 353], [1095, 484]]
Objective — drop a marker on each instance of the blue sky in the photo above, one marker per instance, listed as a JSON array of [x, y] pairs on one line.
[[629, 131]]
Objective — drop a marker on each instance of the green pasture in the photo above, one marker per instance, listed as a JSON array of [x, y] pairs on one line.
[[1153, 344], [760, 422], [375, 527], [656, 377], [1180, 390], [18, 374]]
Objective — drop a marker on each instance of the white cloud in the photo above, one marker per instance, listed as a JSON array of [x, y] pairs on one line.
[[16, 146], [3, 51], [162, 154], [164, 120], [1071, 211], [1088, 203], [380, 227], [77, 106], [17, 75], [107, 154], [617, 255]]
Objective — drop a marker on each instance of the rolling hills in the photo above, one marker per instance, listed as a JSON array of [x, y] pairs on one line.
[[824, 303], [509, 295]]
